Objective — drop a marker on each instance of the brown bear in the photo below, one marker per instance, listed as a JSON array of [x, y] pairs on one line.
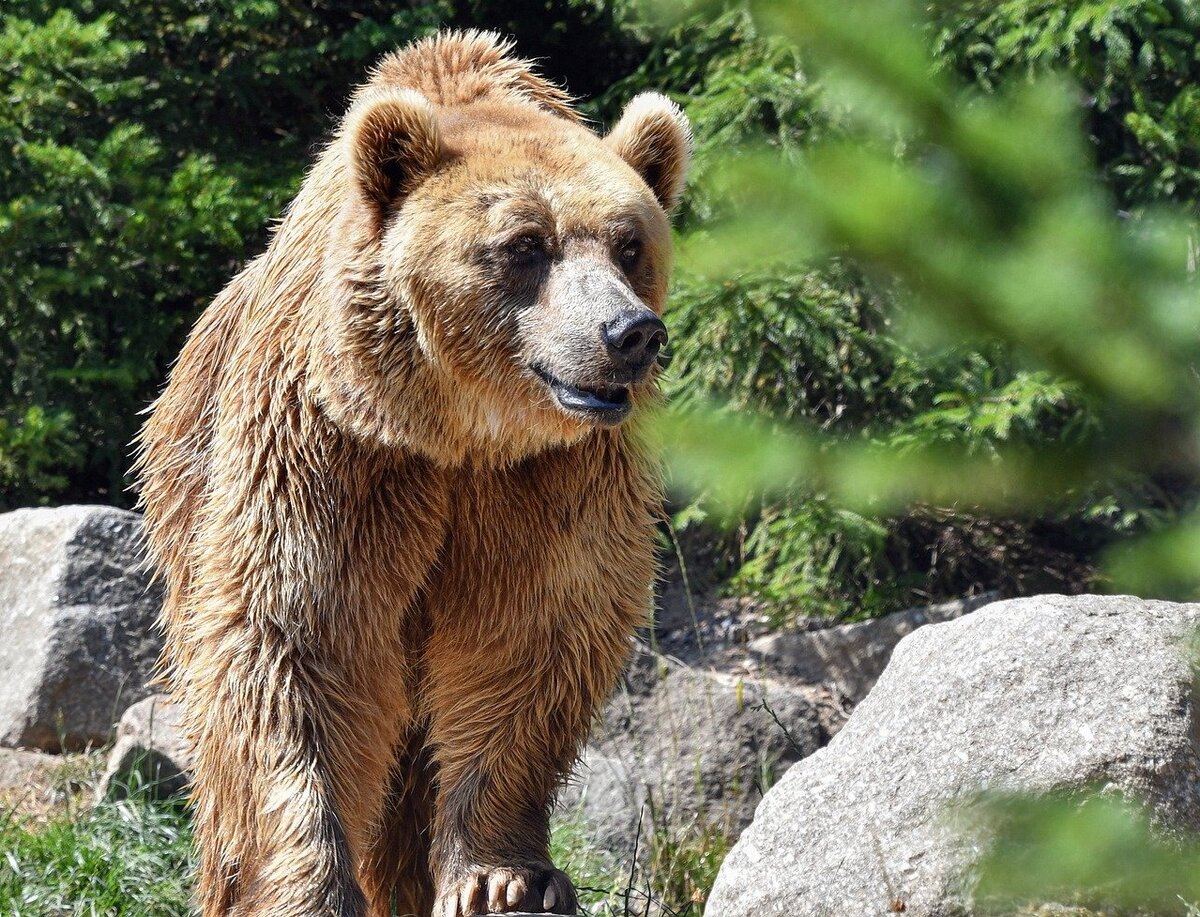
[[405, 536]]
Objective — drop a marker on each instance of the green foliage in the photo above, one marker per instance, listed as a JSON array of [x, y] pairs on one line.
[[35, 451], [111, 241], [585, 44], [979, 207], [151, 144], [127, 859], [818, 348], [804, 346], [595, 872], [683, 866], [147, 147], [1089, 850], [935, 279], [673, 873], [955, 213], [734, 83], [1135, 60], [134, 859]]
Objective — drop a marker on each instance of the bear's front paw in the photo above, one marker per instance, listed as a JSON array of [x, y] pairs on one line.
[[499, 890]]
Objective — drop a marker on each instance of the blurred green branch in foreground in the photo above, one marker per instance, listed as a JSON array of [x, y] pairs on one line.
[[148, 146], [985, 213], [1090, 850]]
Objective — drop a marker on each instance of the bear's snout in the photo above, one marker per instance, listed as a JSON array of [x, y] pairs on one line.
[[592, 339], [633, 338]]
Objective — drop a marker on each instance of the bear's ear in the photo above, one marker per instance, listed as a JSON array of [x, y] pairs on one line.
[[393, 142], [654, 137]]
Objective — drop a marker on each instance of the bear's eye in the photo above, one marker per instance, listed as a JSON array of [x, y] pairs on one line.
[[630, 252], [526, 248]]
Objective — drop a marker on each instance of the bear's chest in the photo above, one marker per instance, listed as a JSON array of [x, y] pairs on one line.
[[564, 534]]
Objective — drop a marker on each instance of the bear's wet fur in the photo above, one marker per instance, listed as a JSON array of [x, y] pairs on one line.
[[405, 536]]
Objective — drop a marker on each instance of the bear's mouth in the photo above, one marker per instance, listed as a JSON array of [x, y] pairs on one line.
[[606, 404]]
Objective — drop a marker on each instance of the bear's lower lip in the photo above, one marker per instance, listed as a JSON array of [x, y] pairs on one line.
[[607, 404]]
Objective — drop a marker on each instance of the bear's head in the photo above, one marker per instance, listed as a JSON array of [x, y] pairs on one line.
[[529, 256]]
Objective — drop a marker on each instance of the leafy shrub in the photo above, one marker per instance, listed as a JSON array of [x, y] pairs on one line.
[[836, 347], [147, 146], [1135, 61], [151, 143], [1091, 849]]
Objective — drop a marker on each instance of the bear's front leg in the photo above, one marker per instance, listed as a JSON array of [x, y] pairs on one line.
[[289, 777], [506, 724]]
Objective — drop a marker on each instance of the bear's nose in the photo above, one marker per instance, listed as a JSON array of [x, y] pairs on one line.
[[634, 338]]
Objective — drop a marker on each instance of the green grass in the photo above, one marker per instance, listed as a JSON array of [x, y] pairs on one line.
[[118, 859], [683, 866], [133, 858], [595, 872], [673, 875]]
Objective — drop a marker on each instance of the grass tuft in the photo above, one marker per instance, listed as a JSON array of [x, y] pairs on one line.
[[118, 859]]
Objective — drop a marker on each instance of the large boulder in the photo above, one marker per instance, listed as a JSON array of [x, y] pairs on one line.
[[20, 771], [1032, 695], [77, 611]]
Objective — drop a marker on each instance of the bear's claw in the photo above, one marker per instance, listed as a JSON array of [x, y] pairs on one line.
[[500, 890]]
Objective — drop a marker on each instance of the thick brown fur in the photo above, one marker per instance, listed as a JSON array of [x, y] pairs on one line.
[[401, 576]]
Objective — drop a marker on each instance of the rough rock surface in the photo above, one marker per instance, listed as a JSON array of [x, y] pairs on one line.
[[608, 796], [35, 785], [686, 741], [677, 744], [17, 768], [850, 657], [1029, 694], [149, 753], [77, 614]]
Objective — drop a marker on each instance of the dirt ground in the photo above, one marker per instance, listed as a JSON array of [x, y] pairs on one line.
[[34, 787]]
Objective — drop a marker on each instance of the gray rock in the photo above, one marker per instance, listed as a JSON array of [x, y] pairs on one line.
[[150, 754], [679, 745], [18, 767], [37, 785], [608, 797], [1034, 695], [77, 612], [851, 657]]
